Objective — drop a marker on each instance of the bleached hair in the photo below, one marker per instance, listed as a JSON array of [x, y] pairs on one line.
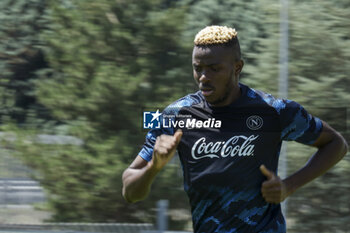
[[212, 35]]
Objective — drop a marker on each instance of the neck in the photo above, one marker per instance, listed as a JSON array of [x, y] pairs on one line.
[[232, 96]]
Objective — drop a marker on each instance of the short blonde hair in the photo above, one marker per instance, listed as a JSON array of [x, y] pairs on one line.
[[212, 35]]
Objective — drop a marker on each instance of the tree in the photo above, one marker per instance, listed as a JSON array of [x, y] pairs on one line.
[[319, 47], [104, 59], [20, 57]]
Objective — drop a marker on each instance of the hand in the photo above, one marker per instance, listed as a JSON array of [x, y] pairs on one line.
[[164, 149], [273, 189]]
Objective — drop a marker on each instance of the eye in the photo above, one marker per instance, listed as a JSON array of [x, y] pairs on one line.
[[215, 68], [197, 68]]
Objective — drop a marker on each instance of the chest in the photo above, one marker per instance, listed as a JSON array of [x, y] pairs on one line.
[[246, 139], [236, 132]]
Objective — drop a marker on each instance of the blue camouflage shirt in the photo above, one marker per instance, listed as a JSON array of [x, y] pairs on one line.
[[221, 151]]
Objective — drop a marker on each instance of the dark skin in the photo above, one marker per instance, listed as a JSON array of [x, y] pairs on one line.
[[216, 71]]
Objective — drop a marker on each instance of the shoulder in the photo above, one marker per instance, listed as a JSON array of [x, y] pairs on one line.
[[186, 101], [262, 98]]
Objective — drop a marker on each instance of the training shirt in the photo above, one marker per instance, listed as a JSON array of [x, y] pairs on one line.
[[221, 162]]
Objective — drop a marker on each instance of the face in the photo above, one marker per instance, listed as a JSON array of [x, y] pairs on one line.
[[216, 72]]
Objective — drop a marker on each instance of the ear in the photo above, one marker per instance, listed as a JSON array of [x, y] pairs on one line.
[[238, 67]]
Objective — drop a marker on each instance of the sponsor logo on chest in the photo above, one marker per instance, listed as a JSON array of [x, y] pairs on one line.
[[239, 145]]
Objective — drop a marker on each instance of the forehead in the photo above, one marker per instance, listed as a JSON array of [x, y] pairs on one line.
[[212, 54]]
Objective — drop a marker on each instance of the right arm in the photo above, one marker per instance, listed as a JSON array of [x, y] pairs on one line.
[[139, 176]]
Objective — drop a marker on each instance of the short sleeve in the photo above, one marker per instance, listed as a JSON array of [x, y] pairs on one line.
[[147, 148], [169, 114], [297, 124]]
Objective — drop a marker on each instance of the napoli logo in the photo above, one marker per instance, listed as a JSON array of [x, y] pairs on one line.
[[254, 122]]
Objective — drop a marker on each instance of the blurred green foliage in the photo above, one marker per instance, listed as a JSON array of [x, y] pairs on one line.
[[89, 68], [319, 51], [20, 58]]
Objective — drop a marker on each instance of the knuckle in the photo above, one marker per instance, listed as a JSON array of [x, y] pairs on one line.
[[165, 151], [161, 151], [161, 138]]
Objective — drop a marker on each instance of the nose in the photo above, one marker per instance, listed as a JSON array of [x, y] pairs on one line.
[[204, 77]]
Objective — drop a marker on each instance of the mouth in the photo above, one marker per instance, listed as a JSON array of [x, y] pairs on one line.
[[207, 91]]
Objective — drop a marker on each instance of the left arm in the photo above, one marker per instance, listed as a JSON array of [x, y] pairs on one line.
[[332, 147]]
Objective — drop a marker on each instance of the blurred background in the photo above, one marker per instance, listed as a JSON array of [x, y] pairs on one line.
[[76, 75]]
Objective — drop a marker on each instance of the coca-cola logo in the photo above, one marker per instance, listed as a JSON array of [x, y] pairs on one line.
[[235, 146]]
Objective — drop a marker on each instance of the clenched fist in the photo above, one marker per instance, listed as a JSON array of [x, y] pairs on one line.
[[164, 149], [273, 189]]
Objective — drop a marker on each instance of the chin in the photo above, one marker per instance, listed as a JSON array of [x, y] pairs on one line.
[[210, 98], [216, 100], [213, 100]]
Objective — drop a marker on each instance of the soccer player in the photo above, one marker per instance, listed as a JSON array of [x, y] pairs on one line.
[[229, 144]]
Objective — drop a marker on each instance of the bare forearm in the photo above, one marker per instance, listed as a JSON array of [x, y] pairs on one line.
[[325, 158], [137, 183]]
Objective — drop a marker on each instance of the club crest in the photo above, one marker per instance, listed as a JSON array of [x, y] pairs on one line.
[[254, 122]]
